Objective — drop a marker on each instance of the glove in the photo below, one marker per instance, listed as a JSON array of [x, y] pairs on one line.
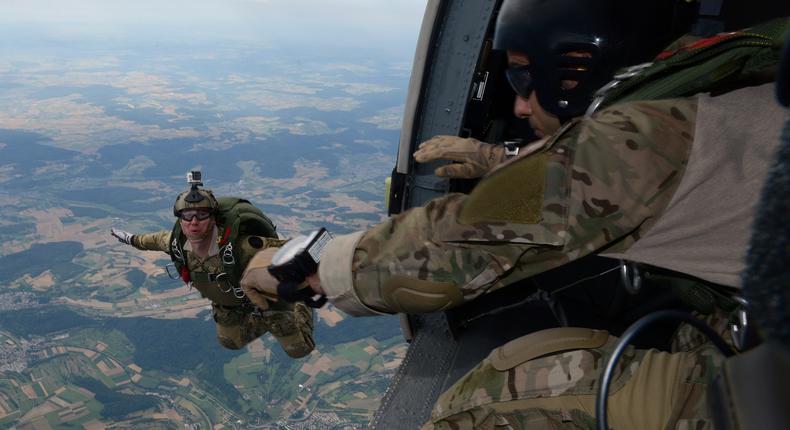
[[122, 236], [258, 284], [474, 158], [292, 292], [261, 287]]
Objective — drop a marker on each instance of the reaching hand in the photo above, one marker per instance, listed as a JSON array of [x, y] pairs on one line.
[[261, 287], [291, 292], [122, 236], [474, 158]]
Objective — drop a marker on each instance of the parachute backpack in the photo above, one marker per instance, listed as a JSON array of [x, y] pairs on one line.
[[716, 64], [236, 217]]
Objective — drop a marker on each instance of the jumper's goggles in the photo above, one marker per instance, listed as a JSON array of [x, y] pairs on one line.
[[190, 214], [520, 79]]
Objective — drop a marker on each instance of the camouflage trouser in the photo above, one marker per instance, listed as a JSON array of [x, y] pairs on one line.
[[688, 338], [290, 324], [650, 390]]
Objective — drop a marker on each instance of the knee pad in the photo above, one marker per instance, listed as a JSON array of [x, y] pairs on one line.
[[409, 295]]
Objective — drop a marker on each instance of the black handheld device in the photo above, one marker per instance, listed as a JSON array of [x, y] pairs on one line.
[[296, 260]]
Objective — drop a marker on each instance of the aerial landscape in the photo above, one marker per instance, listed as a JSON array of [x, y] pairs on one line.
[[99, 123]]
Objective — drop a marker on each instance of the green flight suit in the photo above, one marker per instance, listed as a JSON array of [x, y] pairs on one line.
[[238, 321]]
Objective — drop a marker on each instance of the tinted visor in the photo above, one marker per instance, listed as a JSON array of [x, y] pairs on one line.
[[520, 79], [190, 214]]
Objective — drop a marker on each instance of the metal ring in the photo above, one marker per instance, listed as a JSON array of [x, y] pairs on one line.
[[741, 300], [631, 277], [227, 255], [739, 330], [632, 71], [177, 251]]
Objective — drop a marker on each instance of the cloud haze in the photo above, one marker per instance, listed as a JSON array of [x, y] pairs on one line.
[[331, 22]]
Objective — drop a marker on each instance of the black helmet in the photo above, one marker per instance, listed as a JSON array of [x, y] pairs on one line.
[[611, 33]]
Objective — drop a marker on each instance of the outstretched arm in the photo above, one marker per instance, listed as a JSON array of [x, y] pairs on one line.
[[600, 184], [597, 185], [159, 241]]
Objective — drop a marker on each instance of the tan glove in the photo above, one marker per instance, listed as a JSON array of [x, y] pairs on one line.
[[258, 284], [474, 158]]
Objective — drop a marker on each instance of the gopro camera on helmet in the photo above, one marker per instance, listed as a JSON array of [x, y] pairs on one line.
[[195, 178], [296, 260], [195, 197]]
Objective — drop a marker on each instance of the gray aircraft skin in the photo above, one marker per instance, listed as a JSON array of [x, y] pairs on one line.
[[458, 87]]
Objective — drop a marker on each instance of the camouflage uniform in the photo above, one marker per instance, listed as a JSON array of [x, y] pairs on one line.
[[599, 185], [590, 186], [509, 390], [238, 321], [543, 381]]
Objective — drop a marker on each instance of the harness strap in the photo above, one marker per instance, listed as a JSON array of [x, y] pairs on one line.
[[230, 256], [204, 277]]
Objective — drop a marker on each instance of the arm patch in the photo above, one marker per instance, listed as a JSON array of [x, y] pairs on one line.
[[511, 195]]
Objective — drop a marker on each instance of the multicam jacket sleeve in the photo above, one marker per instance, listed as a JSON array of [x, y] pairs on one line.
[[599, 183], [159, 241]]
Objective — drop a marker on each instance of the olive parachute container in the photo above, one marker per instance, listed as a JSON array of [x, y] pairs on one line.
[[715, 65], [243, 218]]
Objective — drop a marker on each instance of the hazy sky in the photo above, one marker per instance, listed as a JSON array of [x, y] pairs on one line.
[[323, 22]]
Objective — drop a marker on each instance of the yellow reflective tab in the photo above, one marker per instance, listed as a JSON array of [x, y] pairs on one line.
[[387, 185]]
